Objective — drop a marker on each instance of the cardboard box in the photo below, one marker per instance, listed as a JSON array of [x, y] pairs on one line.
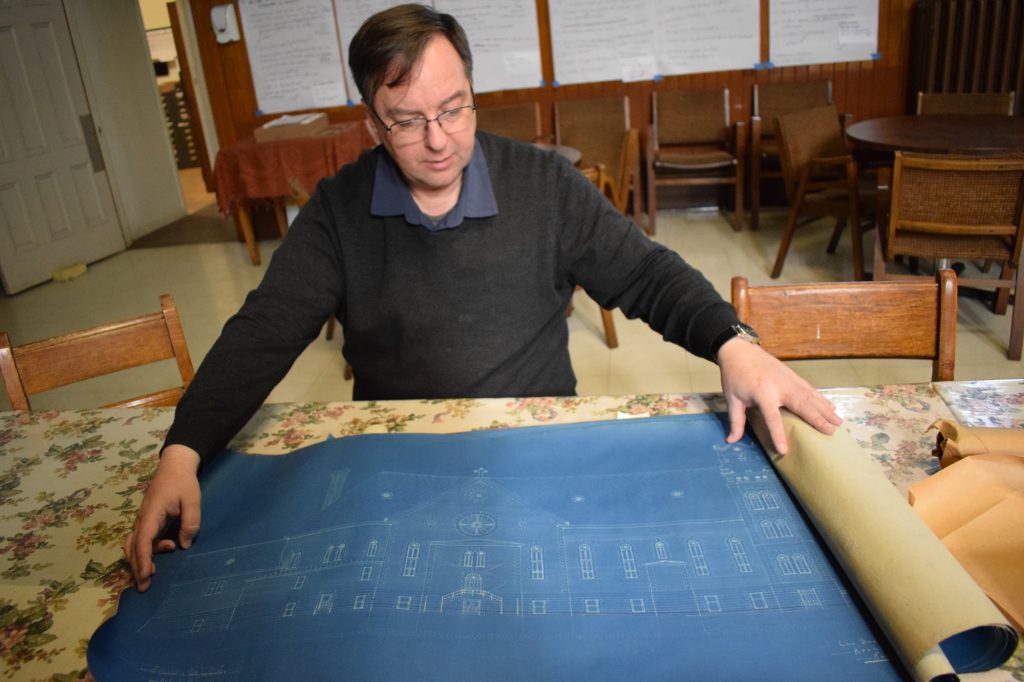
[[291, 125]]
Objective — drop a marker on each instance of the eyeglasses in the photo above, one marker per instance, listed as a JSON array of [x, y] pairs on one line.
[[413, 129]]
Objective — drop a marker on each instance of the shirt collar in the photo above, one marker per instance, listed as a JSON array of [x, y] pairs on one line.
[[391, 195]]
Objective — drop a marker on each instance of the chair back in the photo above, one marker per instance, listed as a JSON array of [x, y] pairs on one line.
[[691, 118], [772, 100], [518, 121], [907, 319], [805, 135], [956, 206], [965, 103], [594, 127], [61, 360]]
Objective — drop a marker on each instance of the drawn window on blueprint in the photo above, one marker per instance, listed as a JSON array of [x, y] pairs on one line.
[[412, 556], [586, 562], [700, 566], [628, 562], [740, 555], [536, 563]]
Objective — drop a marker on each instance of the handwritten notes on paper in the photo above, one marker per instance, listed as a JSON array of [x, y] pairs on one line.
[[504, 40], [351, 14], [597, 40], [297, 48], [293, 54], [822, 31], [699, 36]]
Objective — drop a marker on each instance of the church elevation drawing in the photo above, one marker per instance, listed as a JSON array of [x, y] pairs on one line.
[[702, 550]]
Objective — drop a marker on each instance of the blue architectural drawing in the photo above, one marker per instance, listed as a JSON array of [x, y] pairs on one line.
[[646, 549]]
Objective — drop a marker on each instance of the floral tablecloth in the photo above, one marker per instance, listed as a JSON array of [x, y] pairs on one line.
[[70, 483]]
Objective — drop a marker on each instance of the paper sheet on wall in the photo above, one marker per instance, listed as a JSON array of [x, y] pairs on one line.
[[822, 31], [504, 39], [567, 552], [701, 36], [293, 54], [351, 14], [602, 40]]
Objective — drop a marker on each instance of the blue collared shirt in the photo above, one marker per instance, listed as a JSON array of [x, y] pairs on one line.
[[391, 195]]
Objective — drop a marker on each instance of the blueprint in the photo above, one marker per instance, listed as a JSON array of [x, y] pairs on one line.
[[641, 549]]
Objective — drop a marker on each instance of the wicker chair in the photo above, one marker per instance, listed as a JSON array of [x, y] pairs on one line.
[[518, 121], [855, 319], [41, 366], [599, 129], [690, 143], [949, 207], [771, 100], [964, 103], [820, 177]]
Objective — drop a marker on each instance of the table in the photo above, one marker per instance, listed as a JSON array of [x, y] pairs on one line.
[[250, 171], [940, 134], [70, 482]]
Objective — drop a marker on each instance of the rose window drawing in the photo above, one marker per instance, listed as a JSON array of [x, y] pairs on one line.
[[475, 524]]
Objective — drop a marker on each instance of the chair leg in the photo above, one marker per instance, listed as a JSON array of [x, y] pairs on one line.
[[755, 192], [610, 336], [738, 204], [787, 239], [1017, 318], [1002, 293], [837, 233], [652, 204], [855, 226], [348, 371], [878, 263]]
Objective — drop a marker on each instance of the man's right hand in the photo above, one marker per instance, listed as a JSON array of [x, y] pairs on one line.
[[173, 493]]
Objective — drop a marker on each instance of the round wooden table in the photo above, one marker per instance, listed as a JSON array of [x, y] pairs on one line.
[[982, 134]]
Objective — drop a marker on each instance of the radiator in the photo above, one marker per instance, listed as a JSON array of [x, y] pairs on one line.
[[967, 46]]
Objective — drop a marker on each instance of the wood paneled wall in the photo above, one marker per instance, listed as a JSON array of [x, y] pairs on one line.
[[864, 89]]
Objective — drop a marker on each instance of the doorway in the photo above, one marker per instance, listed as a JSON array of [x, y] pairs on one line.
[[184, 129]]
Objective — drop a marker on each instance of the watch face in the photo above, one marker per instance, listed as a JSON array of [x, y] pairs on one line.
[[746, 332]]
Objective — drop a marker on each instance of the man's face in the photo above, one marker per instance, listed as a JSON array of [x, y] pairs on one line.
[[431, 159]]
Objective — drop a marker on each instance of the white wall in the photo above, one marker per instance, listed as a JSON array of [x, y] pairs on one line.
[[114, 59], [154, 14]]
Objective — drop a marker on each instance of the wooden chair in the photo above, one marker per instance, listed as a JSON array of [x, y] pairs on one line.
[[61, 360], [690, 143], [771, 100], [820, 176], [518, 121], [855, 319], [964, 208], [965, 103], [599, 129]]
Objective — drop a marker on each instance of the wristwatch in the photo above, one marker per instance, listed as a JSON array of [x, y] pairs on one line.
[[738, 330]]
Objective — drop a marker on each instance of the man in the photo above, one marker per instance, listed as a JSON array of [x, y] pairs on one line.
[[450, 257]]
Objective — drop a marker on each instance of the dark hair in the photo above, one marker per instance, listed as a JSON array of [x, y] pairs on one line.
[[388, 44]]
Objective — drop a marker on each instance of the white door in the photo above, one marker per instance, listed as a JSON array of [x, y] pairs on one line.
[[56, 207]]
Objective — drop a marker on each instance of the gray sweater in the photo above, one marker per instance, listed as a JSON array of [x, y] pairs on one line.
[[475, 311]]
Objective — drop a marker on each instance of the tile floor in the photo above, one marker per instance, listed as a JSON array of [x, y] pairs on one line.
[[209, 282]]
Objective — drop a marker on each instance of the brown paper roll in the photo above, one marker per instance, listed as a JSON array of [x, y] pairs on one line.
[[955, 441]]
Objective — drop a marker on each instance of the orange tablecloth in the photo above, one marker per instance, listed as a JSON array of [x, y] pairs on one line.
[[260, 170]]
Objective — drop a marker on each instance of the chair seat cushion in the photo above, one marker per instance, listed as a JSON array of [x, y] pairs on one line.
[[698, 161]]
